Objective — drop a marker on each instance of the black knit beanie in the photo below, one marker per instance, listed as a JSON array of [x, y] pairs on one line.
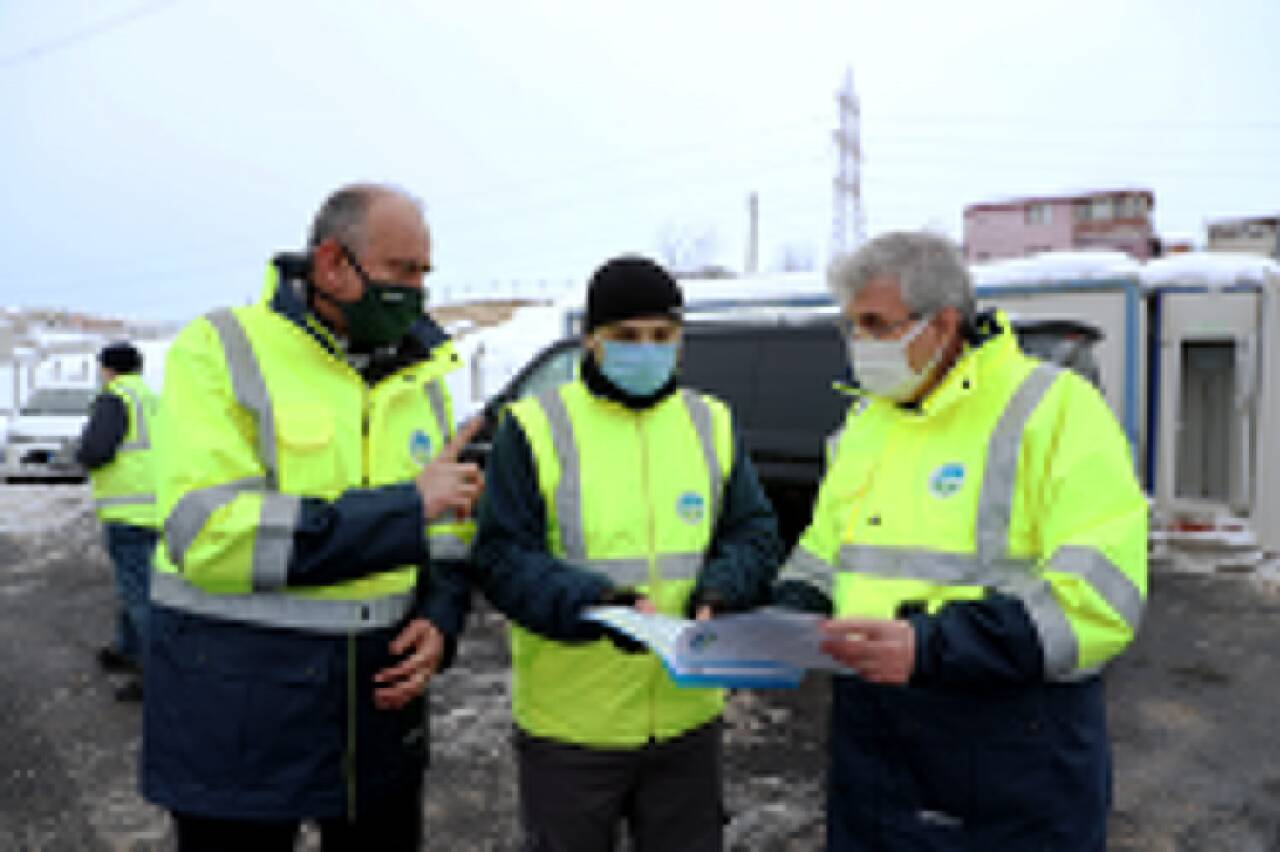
[[629, 287], [121, 356]]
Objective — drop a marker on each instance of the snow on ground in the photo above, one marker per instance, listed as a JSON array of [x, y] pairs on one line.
[[38, 509]]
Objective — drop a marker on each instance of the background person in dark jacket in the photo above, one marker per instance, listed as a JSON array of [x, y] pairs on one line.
[[620, 487], [298, 609], [115, 447]]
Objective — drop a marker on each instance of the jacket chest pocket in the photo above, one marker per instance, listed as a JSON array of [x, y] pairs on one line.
[[307, 450]]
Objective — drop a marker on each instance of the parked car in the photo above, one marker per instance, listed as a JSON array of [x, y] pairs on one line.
[[779, 376], [43, 433]]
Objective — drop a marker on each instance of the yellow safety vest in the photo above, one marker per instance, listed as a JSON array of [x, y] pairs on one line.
[[1013, 475], [259, 417], [632, 495], [124, 489]]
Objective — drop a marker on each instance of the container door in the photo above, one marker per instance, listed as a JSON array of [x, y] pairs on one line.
[[1208, 400]]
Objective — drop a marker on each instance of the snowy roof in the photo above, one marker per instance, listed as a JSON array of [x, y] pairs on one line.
[[1210, 269], [1055, 267]]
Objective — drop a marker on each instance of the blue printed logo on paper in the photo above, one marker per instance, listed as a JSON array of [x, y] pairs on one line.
[[420, 446], [702, 640], [946, 480], [691, 507]]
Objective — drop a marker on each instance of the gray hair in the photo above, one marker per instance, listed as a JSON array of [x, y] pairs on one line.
[[342, 215], [929, 270]]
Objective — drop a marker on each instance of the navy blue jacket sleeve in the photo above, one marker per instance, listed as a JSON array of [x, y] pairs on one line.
[[363, 531], [746, 549], [512, 565], [101, 437], [985, 642], [444, 599]]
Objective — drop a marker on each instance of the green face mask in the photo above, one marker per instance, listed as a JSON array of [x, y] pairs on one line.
[[383, 314]]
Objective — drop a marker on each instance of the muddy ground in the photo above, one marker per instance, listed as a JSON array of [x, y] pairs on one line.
[[1194, 713]]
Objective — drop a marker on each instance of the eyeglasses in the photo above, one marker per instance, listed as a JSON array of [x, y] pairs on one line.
[[873, 326]]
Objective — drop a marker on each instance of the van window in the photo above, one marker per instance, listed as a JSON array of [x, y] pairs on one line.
[[557, 369], [59, 402]]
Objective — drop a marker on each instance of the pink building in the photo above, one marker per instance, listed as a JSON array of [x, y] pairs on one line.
[[1116, 219]]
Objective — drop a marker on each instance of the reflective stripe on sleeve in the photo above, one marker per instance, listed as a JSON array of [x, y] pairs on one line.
[[192, 512], [273, 540], [314, 615], [995, 500], [447, 545]]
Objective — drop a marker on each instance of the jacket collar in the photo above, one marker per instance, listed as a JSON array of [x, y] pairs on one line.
[[286, 294], [989, 343]]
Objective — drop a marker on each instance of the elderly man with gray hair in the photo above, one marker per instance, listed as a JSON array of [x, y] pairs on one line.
[[980, 541]]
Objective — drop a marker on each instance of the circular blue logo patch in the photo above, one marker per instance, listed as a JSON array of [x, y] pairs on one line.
[[946, 480], [691, 507], [420, 446]]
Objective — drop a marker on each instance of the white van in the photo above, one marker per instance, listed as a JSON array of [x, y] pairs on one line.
[[42, 434]]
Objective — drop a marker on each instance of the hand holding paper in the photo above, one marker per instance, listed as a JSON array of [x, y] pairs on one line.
[[879, 650]]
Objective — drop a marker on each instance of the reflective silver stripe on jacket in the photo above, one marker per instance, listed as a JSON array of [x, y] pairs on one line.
[[124, 500], [635, 572], [273, 543], [804, 566], [435, 396], [273, 538], [995, 500], [313, 615], [700, 414], [247, 384], [193, 510], [568, 496], [446, 545], [143, 441], [935, 566], [832, 445]]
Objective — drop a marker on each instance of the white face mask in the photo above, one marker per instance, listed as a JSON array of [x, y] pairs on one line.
[[881, 366]]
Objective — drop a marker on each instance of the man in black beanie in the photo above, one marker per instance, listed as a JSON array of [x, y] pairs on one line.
[[620, 487], [115, 447]]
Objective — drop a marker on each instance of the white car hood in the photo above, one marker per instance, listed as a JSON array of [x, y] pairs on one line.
[[51, 427]]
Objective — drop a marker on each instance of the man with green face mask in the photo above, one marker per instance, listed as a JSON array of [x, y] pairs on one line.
[[310, 492]]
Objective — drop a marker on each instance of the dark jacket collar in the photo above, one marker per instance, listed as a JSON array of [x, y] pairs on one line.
[[291, 301]]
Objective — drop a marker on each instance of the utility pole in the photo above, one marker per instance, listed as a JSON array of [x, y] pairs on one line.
[[753, 233], [847, 220]]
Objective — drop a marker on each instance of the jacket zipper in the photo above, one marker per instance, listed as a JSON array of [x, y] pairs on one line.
[[654, 579], [351, 727], [351, 636]]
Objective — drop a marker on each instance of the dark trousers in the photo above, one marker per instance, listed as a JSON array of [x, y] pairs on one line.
[[394, 825], [669, 794], [131, 549]]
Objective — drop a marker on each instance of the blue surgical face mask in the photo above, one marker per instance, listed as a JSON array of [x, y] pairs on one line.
[[638, 368]]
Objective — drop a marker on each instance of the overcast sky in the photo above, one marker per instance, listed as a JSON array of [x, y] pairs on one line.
[[156, 153]]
